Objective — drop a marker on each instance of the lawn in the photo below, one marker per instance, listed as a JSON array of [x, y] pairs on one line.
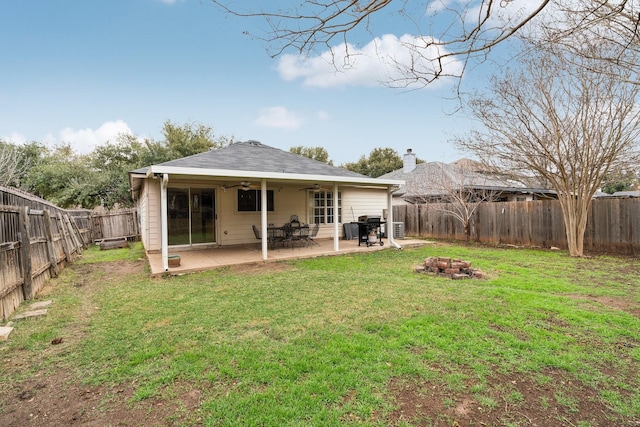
[[543, 339]]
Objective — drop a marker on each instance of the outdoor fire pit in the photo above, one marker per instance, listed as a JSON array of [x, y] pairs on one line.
[[453, 268]]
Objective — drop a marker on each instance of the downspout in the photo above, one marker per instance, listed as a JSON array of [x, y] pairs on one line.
[[263, 218], [164, 238], [336, 225], [390, 229]]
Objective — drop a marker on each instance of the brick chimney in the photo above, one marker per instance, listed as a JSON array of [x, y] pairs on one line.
[[409, 161]]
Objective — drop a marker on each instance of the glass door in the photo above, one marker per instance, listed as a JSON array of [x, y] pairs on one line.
[[203, 209], [191, 216]]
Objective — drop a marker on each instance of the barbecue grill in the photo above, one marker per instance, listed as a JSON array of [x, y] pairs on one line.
[[369, 230]]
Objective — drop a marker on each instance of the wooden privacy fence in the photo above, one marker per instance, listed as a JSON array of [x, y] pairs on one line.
[[613, 225], [34, 245], [37, 238], [118, 224]]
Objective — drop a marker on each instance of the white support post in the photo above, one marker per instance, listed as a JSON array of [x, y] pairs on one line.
[[336, 224], [263, 219], [164, 226]]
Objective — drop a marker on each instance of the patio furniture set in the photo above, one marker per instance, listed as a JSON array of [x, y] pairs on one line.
[[291, 233]]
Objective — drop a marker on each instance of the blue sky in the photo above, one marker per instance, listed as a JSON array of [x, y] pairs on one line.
[[79, 72]]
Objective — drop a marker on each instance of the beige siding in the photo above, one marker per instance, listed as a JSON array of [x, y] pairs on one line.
[[153, 226], [143, 215], [357, 202], [234, 228]]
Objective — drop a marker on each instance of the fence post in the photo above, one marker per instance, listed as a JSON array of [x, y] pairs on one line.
[[72, 233], [25, 253], [63, 234], [83, 244], [51, 250]]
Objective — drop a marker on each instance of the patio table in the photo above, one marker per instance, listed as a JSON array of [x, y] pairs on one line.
[[286, 233]]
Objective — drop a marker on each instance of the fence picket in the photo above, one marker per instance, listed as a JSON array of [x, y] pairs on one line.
[[613, 225], [37, 238]]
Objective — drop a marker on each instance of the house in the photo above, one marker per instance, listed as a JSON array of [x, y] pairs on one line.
[[214, 199], [618, 194], [435, 182]]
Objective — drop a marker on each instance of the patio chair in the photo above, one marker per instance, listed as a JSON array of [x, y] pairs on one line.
[[313, 232], [294, 230], [256, 232], [303, 235]]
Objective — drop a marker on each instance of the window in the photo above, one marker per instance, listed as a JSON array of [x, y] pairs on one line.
[[322, 207], [251, 200]]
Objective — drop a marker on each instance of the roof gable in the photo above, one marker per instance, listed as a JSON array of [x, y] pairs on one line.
[[254, 156]]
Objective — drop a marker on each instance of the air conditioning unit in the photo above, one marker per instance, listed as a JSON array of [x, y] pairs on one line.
[[398, 230]]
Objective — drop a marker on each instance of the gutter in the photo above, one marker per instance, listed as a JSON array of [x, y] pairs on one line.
[[390, 217]]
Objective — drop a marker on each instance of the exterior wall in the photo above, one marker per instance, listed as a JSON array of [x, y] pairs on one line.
[[151, 226], [143, 215], [357, 202], [234, 228]]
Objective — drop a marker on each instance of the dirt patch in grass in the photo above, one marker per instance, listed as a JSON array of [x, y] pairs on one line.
[[59, 400], [611, 302], [260, 267], [550, 399]]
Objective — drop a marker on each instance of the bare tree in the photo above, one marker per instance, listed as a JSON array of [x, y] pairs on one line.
[[12, 166], [568, 119], [466, 30], [456, 191]]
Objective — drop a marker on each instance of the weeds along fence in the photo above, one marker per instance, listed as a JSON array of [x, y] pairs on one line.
[[38, 238], [613, 225]]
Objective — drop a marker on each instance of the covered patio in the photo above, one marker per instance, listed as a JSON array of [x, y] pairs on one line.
[[207, 259]]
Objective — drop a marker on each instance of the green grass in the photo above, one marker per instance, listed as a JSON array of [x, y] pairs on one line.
[[320, 342]]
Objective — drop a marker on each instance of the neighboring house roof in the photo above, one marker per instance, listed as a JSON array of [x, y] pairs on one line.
[[252, 159], [619, 194], [433, 178]]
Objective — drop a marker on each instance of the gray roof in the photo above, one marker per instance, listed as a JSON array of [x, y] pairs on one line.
[[254, 156], [619, 194], [433, 178]]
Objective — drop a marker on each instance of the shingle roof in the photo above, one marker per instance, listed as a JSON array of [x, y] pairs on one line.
[[430, 179], [257, 157]]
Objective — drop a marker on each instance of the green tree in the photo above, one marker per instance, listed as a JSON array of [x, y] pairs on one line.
[[60, 177], [623, 180], [189, 139], [379, 162], [100, 178], [316, 153]]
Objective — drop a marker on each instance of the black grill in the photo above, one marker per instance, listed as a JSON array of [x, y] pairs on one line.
[[368, 227]]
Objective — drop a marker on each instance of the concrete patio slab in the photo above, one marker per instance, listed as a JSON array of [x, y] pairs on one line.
[[207, 259]]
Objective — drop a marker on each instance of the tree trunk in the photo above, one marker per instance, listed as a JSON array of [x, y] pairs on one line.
[[575, 220]]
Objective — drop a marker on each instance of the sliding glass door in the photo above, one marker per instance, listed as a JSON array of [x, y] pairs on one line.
[[191, 216]]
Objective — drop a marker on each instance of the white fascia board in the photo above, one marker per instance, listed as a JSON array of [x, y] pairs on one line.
[[229, 173]]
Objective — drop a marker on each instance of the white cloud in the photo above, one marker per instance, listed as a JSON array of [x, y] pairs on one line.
[[86, 140], [279, 117], [15, 138], [380, 62]]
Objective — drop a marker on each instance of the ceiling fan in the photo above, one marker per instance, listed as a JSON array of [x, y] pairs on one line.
[[244, 186], [315, 188]]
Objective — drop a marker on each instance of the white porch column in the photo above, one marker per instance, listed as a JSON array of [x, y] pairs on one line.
[[164, 226], [336, 224], [263, 218]]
